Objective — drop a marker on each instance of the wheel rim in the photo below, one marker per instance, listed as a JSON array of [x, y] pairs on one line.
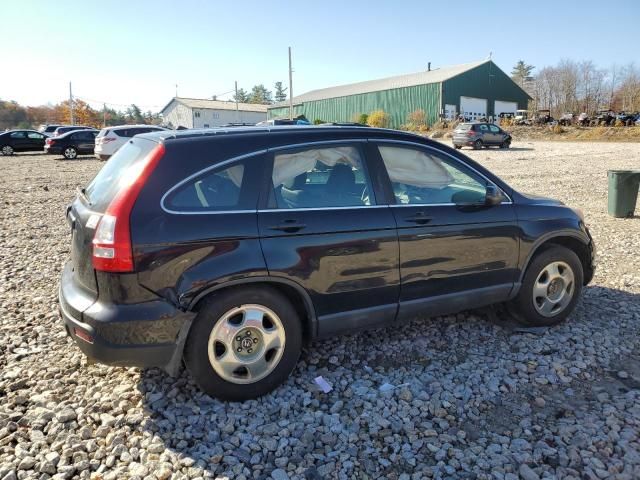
[[553, 289], [246, 344], [7, 150], [70, 153], [478, 144]]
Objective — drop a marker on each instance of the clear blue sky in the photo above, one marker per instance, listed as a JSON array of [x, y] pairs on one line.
[[124, 52]]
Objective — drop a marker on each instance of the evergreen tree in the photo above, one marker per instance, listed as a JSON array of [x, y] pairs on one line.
[[521, 71], [260, 94], [281, 92], [242, 96]]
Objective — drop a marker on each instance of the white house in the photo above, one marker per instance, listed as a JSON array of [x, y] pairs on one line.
[[197, 113]]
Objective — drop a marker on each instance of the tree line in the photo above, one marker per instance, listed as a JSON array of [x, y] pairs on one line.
[[261, 95], [580, 86], [14, 115]]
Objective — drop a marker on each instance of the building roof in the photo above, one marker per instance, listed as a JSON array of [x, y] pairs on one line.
[[205, 104], [436, 75]]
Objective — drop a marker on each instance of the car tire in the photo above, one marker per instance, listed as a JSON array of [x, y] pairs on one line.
[[550, 289], [457, 147], [477, 145], [505, 144], [70, 153], [7, 150], [224, 328]]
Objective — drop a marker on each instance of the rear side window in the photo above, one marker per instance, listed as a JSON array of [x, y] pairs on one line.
[[320, 178], [116, 173], [123, 132], [226, 188]]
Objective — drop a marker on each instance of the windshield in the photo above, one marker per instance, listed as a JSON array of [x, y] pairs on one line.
[[116, 173]]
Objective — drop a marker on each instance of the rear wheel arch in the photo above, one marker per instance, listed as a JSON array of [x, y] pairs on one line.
[[573, 242], [296, 294]]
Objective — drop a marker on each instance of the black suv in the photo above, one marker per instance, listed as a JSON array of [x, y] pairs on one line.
[[230, 248]]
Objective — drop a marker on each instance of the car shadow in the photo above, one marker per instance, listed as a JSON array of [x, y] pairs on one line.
[[78, 158], [226, 437]]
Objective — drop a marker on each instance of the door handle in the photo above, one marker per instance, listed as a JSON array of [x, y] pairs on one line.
[[289, 226], [419, 218]]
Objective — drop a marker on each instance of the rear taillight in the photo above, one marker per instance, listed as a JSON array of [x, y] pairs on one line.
[[112, 250], [49, 141], [470, 133]]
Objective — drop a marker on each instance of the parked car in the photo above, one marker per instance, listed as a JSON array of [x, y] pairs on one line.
[[543, 117], [72, 144], [48, 129], [110, 139], [231, 249], [478, 135], [21, 141], [627, 119], [69, 128], [521, 117], [583, 120], [604, 118], [566, 119]]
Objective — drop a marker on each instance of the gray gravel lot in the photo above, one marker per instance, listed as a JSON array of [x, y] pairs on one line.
[[476, 397]]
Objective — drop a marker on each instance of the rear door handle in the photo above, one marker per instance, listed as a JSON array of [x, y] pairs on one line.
[[419, 218], [289, 226]]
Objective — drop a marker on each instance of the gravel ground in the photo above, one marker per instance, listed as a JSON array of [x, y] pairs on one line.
[[474, 396]]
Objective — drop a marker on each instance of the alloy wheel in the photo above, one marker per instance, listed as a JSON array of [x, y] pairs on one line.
[[246, 344], [70, 153], [7, 150], [553, 289]]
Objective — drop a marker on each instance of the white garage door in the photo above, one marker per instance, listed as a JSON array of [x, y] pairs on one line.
[[504, 107], [473, 108]]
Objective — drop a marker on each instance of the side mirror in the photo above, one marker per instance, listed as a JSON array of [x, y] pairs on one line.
[[492, 196]]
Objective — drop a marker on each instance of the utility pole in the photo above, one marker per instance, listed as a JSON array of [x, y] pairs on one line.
[[176, 89], [237, 112], [104, 115], [290, 87], [71, 103]]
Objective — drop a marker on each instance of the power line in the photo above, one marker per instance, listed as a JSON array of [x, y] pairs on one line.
[[93, 100]]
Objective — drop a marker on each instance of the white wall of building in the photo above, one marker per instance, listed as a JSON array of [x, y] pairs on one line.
[[178, 114], [208, 118]]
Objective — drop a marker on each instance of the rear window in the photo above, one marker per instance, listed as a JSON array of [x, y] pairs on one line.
[[465, 127], [116, 172]]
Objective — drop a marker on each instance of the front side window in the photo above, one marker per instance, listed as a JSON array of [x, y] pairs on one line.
[[321, 178], [35, 136], [494, 129], [421, 177], [223, 189]]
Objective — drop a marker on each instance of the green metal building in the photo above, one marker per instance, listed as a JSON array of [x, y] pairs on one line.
[[478, 89]]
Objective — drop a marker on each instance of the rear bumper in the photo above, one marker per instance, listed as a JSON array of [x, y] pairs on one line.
[[52, 150], [148, 334]]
